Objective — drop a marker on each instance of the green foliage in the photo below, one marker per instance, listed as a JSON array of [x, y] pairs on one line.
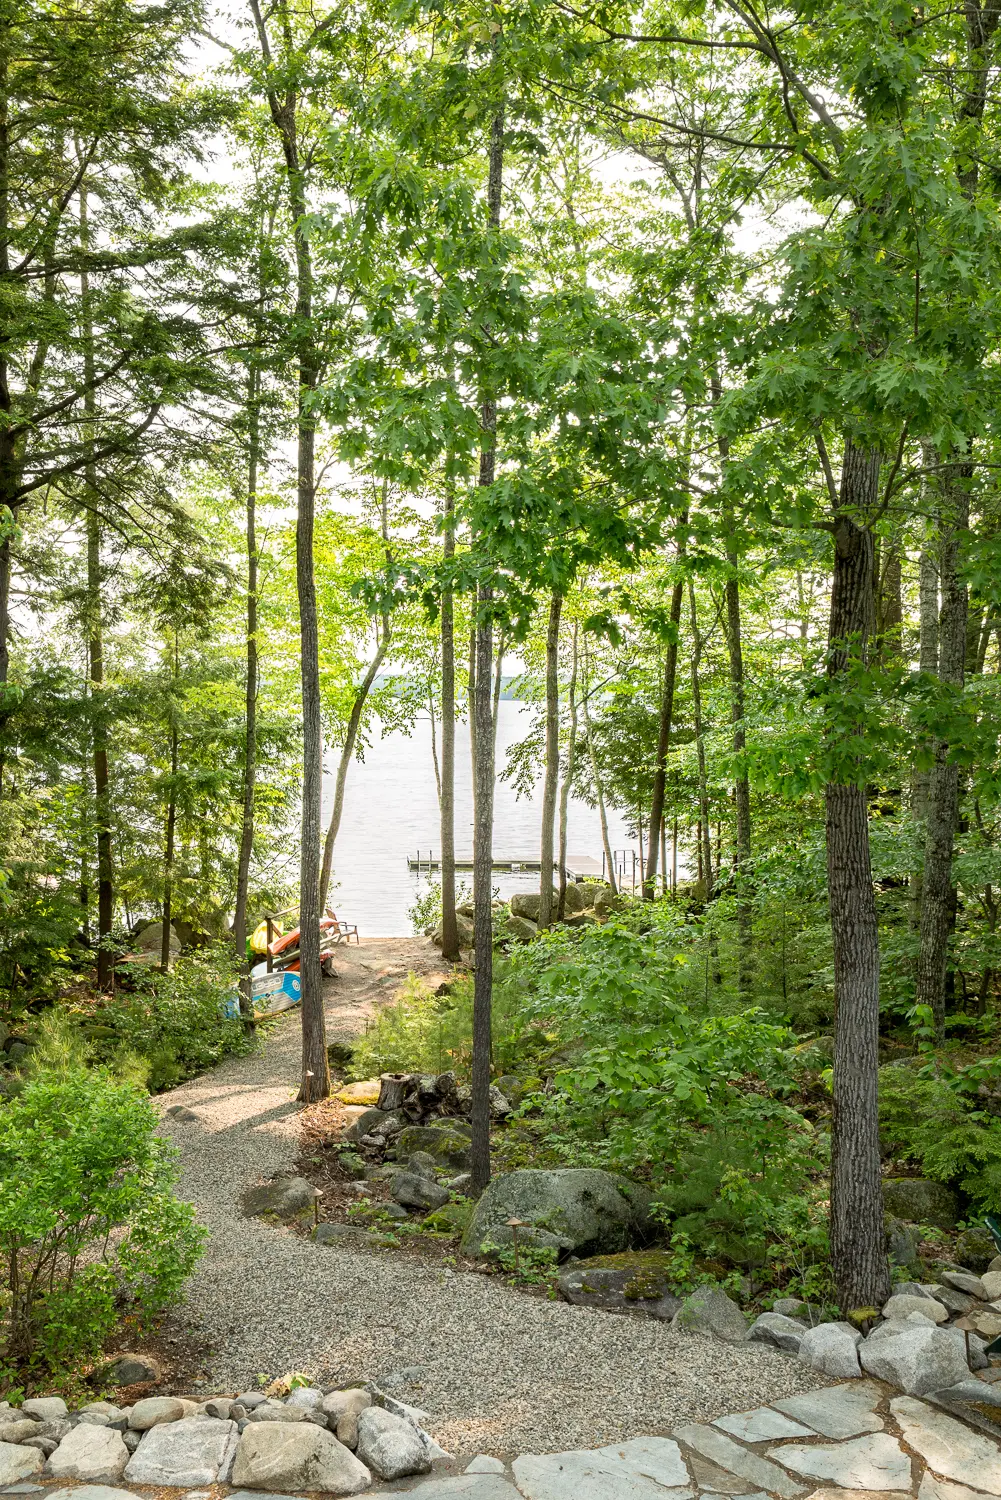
[[425, 913], [938, 1122], [429, 1033], [88, 1222], [173, 1023]]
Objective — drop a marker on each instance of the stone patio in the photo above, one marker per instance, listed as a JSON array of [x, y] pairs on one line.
[[857, 1441]]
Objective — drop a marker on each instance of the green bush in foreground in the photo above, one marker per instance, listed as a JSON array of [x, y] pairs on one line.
[[89, 1226]]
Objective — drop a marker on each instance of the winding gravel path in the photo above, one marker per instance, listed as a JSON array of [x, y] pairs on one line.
[[502, 1372]]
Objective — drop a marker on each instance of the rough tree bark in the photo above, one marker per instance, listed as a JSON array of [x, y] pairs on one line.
[[250, 704], [283, 107], [449, 927], [168, 853], [483, 781], [95, 644], [599, 791], [705, 836], [663, 739], [552, 774], [858, 1254], [568, 778]]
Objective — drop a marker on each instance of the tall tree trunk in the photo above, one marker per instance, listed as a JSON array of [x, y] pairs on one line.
[[95, 642], [315, 1082], [498, 683], [483, 781], [551, 783], [664, 734], [568, 778], [99, 748], [943, 783], [599, 791], [4, 607], [705, 835], [858, 1255], [168, 854], [449, 927], [250, 705], [471, 695], [344, 761], [741, 784]]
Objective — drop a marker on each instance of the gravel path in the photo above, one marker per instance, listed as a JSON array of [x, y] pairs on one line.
[[502, 1372]]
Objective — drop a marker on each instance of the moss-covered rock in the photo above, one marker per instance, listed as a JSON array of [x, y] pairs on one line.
[[452, 1218], [975, 1249], [635, 1282], [449, 1147], [920, 1201], [588, 1211]]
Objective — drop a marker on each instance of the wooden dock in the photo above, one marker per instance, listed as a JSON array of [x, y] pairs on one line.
[[579, 866]]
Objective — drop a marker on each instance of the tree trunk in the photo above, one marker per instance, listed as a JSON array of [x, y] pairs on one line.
[[551, 783], [599, 792], [498, 683], [250, 710], [449, 927], [568, 778], [741, 784], [483, 781], [95, 645], [471, 696], [705, 835], [168, 856], [942, 819], [315, 1082], [858, 1254], [664, 737], [99, 745], [344, 763], [4, 610]]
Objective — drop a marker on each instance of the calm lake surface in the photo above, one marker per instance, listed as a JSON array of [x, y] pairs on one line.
[[391, 812]]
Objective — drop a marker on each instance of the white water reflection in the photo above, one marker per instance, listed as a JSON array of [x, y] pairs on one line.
[[391, 811]]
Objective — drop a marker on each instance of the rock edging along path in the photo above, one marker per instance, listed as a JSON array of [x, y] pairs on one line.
[[497, 1371], [850, 1442]]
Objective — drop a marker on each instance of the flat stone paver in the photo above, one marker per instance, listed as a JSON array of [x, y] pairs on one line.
[[842, 1411], [762, 1425], [949, 1447], [941, 1489], [875, 1461], [594, 1474], [722, 1450], [459, 1487]]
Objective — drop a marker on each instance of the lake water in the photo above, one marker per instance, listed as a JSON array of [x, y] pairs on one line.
[[391, 812]]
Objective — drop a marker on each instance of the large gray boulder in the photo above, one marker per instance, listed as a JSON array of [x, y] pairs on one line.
[[708, 1310], [150, 940], [590, 1211], [390, 1445], [155, 1410], [95, 1455], [920, 1201], [832, 1348], [901, 1306], [189, 1453], [18, 1462], [917, 1360], [45, 1408], [418, 1192], [291, 1458], [776, 1329], [635, 1282], [446, 1144], [285, 1197]]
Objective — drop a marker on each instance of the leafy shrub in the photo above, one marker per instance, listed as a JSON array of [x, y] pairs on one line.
[[426, 1033], [933, 1117], [425, 913], [174, 1022], [88, 1223]]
